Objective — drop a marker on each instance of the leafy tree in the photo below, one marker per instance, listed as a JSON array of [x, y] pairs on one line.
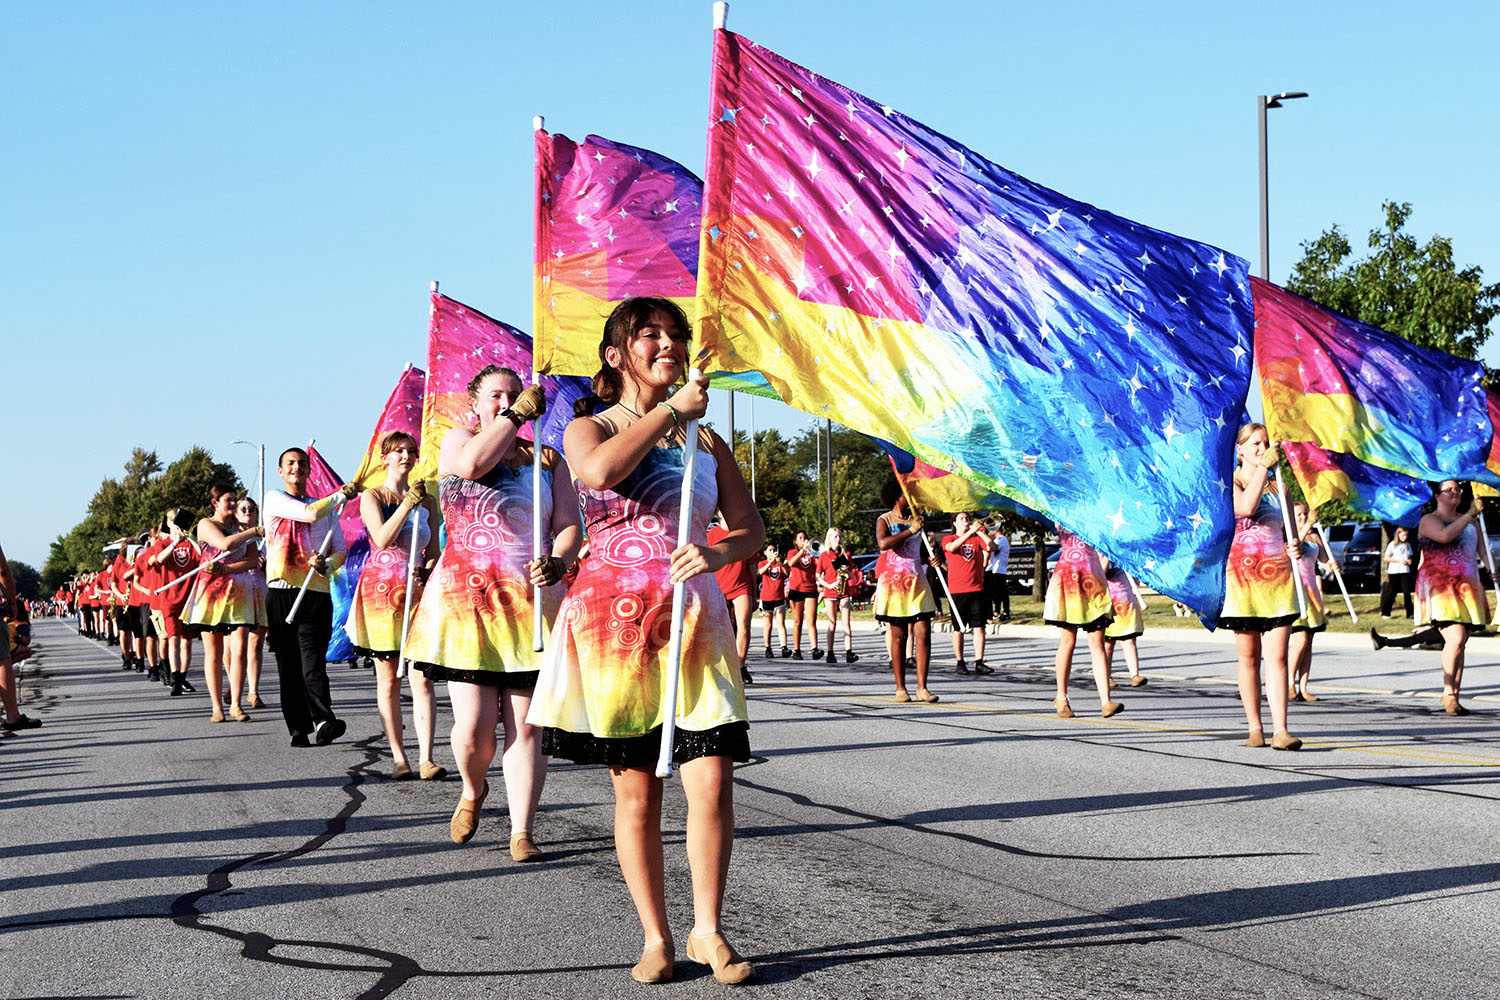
[[28, 580], [1414, 291]]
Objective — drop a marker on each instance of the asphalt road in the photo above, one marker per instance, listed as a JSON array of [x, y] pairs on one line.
[[979, 847]]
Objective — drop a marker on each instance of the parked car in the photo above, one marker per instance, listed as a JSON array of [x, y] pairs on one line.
[[1338, 537], [1361, 559]]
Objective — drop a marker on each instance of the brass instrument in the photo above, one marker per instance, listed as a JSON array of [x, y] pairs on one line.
[[842, 588]]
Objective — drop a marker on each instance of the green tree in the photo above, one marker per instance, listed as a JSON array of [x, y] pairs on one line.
[[28, 580], [1413, 290]]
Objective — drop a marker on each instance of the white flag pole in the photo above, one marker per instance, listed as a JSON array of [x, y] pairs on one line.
[[411, 585], [538, 624], [679, 593], [1489, 557], [338, 509], [1286, 524], [1336, 574], [192, 572]]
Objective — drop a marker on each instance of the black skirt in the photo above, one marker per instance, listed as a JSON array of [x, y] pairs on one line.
[[730, 740]]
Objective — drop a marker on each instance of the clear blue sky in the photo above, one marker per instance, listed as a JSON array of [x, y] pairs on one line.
[[220, 220]]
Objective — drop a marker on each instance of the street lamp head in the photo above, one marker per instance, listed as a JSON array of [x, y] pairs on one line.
[[1290, 95]]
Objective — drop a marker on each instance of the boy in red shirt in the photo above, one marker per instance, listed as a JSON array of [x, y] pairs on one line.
[[967, 550], [802, 591], [736, 580], [773, 587]]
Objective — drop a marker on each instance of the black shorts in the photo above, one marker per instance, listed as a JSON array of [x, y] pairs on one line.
[[973, 608], [801, 595], [769, 606], [126, 620], [146, 629]]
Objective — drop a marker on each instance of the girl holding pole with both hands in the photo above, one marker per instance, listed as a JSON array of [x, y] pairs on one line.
[[602, 692], [396, 515], [474, 626], [903, 597], [1259, 601]]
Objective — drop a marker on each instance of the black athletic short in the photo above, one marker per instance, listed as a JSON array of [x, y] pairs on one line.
[[801, 595], [769, 606], [973, 608], [145, 629]]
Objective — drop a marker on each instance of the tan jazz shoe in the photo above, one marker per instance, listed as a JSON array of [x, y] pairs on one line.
[[1063, 709], [1257, 739], [218, 716], [925, 695], [901, 696], [401, 772], [1285, 741], [431, 772], [713, 951], [655, 965], [466, 816], [1139, 680], [238, 714], [522, 848], [1111, 708]]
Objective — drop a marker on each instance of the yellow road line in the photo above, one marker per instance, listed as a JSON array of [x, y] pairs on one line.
[[1160, 727]]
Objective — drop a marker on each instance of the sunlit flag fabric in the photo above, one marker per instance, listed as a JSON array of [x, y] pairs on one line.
[[931, 490], [403, 412], [612, 221], [884, 275], [1328, 475], [321, 481], [1492, 461], [461, 341], [1350, 387]]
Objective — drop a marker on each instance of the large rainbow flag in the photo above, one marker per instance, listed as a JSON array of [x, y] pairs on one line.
[[931, 490], [1349, 387], [612, 221], [1329, 475], [461, 341], [886, 276]]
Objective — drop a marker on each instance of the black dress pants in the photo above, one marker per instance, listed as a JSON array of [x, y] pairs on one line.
[[300, 648]]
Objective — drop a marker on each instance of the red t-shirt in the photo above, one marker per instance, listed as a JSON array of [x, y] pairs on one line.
[[772, 580], [118, 571], [802, 566], [143, 582], [829, 564], [182, 559], [735, 578], [966, 566]]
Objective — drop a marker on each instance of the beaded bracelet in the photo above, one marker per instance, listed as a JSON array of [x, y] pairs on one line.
[[676, 420]]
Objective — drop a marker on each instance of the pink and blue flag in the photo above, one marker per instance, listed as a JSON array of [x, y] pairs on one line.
[[886, 276], [1352, 388], [1369, 489], [321, 481], [461, 341]]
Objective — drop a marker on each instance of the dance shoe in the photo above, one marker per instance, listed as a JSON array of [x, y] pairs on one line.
[[466, 817], [238, 714], [1111, 708], [1285, 741], [713, 951], [655, 965], [1064, 711], [1138, 681], [255, 701], [1257, 739], [431, 772], [901, 695], [523, 849], [401, 772], [218, 716], [1451, 705], [925, 695]]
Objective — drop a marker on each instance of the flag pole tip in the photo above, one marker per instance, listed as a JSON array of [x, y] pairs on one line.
[[721, 14], [538, 122], [434, 284]]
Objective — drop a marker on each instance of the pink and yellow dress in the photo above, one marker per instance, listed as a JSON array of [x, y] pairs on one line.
[[1258, 595], [902, 593], [1077, 595], [474, 623], [1312, 591], [1448, 586], [221, 602], [379, 601], [1128, 622], [602, 689]]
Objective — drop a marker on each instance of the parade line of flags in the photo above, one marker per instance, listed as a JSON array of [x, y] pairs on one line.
[[1010, 347]]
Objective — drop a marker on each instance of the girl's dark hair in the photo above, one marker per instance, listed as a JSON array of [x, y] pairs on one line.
[[481, 375], [890, 492], [395, 439], [218, 490], [1465, 495], [620, 331]]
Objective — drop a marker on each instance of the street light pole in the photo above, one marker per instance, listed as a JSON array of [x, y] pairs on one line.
[[1262, 104], [260, 468]]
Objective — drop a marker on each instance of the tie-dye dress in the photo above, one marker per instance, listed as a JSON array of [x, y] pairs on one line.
[[221, 602], [474, 622], [379, 602], [1312, 591], [601, 692], [902, 593], [1128, 622], [1258, 595], [1077, 595], [1448, 585]]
